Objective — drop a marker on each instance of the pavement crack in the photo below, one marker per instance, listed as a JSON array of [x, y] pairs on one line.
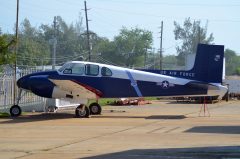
[[168, 131], [155, 130]]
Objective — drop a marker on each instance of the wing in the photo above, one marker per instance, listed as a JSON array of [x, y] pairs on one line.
[[75, 89]]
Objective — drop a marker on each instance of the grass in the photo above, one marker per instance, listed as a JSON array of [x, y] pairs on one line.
[[108, 101], [151, 98], [103, 101], [2, 115]]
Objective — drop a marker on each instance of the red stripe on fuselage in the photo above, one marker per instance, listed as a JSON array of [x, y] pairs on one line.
[[97, 92]]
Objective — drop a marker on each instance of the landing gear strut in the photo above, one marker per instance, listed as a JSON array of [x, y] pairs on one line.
[[15, 110], [82, 111]]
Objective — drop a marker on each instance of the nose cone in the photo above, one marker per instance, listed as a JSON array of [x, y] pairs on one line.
[[23, 82]]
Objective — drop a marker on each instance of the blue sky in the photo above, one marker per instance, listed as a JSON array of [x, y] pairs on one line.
[[108, 16]]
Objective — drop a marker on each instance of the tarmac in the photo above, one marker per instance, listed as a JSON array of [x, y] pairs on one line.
[[164, 129]]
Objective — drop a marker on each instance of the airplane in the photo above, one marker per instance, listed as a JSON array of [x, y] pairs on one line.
[[81, 80]]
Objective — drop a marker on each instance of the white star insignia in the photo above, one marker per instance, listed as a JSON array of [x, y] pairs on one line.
[[165, 84]]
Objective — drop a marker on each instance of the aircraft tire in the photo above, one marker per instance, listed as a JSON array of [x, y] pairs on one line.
[[82, 111], [15, 111], [95, 109]]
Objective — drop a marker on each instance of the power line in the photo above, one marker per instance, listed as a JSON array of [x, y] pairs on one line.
[[179, 4], [165, 17], [47, 58]]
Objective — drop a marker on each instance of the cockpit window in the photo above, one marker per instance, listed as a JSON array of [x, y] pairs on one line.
[[106, 71], [66, 65], [91, 69]]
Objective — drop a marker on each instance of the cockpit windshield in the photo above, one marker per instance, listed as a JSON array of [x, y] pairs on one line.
[[72, 68], [66, 65]]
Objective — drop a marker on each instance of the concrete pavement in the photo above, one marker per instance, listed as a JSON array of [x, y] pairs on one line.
[[164, 129]]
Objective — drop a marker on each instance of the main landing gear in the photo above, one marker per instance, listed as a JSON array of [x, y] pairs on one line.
[[82, 111], [95, 109]]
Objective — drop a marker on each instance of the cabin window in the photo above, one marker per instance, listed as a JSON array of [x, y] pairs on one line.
[[78, 68], [91, 69], [106, 71]]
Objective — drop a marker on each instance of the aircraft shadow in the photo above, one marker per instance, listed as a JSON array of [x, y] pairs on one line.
[[57, 116], [220, 152], [37, 117], [215, 129], [182, 102], [163, 117]]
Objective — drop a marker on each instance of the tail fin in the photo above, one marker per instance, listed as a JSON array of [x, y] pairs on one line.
[[208, 66]]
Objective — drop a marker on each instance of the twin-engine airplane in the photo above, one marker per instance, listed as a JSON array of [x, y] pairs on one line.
[[82, 81]]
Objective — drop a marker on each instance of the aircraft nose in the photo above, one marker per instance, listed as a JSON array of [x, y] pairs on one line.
[[23, 82]]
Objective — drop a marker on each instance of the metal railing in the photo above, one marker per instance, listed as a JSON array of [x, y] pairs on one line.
[[7, 91]]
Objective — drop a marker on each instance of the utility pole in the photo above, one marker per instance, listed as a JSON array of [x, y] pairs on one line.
[[153, 56], [15, 54], [88, 38], [199, 34], [54, 43], [160, 50], [145, 58]]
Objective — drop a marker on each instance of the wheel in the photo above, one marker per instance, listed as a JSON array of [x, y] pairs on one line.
[[15, 111], [82, 111], [95, 109]]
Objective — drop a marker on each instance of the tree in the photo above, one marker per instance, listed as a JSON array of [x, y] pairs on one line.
[[238, 71], [127, 49], [108, 52], [33, 50], [190, 34], [70, 39], [232, 62], [169, 62], [133, 44], [6, 56]]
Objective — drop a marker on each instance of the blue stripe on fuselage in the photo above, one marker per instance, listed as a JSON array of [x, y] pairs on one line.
[[134, 84]]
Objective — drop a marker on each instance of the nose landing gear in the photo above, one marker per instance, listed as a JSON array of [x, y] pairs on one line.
[[15, 110]]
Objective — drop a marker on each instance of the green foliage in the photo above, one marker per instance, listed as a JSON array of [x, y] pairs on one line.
[[33, 50], [6, 54], [4, 115], [71, 41], [35, 45], [133, 43], [238, 71], [232, 62], [108, 51], [127, 48], [190, 34]]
